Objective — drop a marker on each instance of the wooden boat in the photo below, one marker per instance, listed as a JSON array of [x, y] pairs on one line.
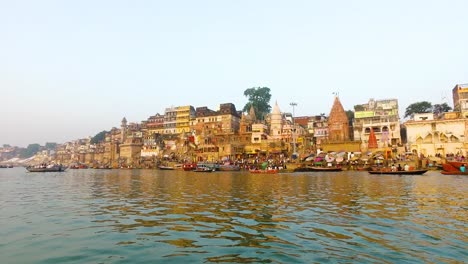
[[267, 171], [48, 168], [203, 168], [410, 172], [163, 167], [313, 168], [457, 164], [454, 172], [78, 166], [364, 168]]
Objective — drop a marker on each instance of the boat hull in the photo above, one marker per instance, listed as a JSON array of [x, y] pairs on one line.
[[411, 172], [53, 169], [166, 168], [316, 169], [454, 173], [457, 164]]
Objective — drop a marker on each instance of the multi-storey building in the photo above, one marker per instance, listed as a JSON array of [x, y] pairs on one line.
[[429, 136], [460, 99], [170, 120], [183, 116], [155, 124], [318, 127], [230, 118], [214, 131], [382, 117]]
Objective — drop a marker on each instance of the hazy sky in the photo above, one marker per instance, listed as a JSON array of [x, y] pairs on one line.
[[70, 69]]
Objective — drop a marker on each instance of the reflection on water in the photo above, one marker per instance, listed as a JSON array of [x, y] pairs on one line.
[[109, 216]]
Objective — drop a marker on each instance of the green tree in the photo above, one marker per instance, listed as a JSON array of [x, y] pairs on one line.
[[441, 108], [359, 108], [350, 115], [419, 107], [259, 98], [50, 145], [99, 137], [30, 151]]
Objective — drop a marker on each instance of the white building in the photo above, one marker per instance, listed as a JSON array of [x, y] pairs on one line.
[[430, 136]]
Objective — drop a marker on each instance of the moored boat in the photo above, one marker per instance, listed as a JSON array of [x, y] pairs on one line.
[[313, 168], [46, 168], [203, 168], [454, 172], [164, 167], [403, 172], [457, 164]]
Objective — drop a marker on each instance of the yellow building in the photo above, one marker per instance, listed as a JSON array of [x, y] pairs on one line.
[[460, 99], [183, 116]]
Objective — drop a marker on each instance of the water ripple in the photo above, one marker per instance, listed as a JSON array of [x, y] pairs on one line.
[[140, 216]]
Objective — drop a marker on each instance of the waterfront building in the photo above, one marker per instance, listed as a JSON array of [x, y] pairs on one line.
[[382, 117], [155, 124], [204, 125], [230, 125], [276, 123], [170, 120], [430, 136], [214, 130], [183, 116], [230, 118], [338, 123], [130, 149], [460, 99], [318, 128], [152, 136], [123, 129], [338, 135]]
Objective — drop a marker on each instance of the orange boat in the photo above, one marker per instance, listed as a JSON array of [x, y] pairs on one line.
[[454, 173]]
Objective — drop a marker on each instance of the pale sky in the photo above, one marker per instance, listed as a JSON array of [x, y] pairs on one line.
[[70, 69]]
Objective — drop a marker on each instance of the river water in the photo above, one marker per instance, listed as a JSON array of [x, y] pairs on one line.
[[153, 216]]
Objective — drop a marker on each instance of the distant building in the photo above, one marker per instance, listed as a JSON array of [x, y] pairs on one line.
[[319, 129], [382, 117], [430, 136], [460, 99], [338, 123], [170, 120], [183, 116]]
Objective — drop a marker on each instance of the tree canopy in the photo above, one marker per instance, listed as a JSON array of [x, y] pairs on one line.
[[441, 108], [350, 115], [50, 145], [427, 107], [99, 137], [419, 107], [259, 98], [30, 151]]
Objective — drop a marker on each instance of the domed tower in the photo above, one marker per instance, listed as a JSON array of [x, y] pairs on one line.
[[123, 129], [338, 124], [276, 124]]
